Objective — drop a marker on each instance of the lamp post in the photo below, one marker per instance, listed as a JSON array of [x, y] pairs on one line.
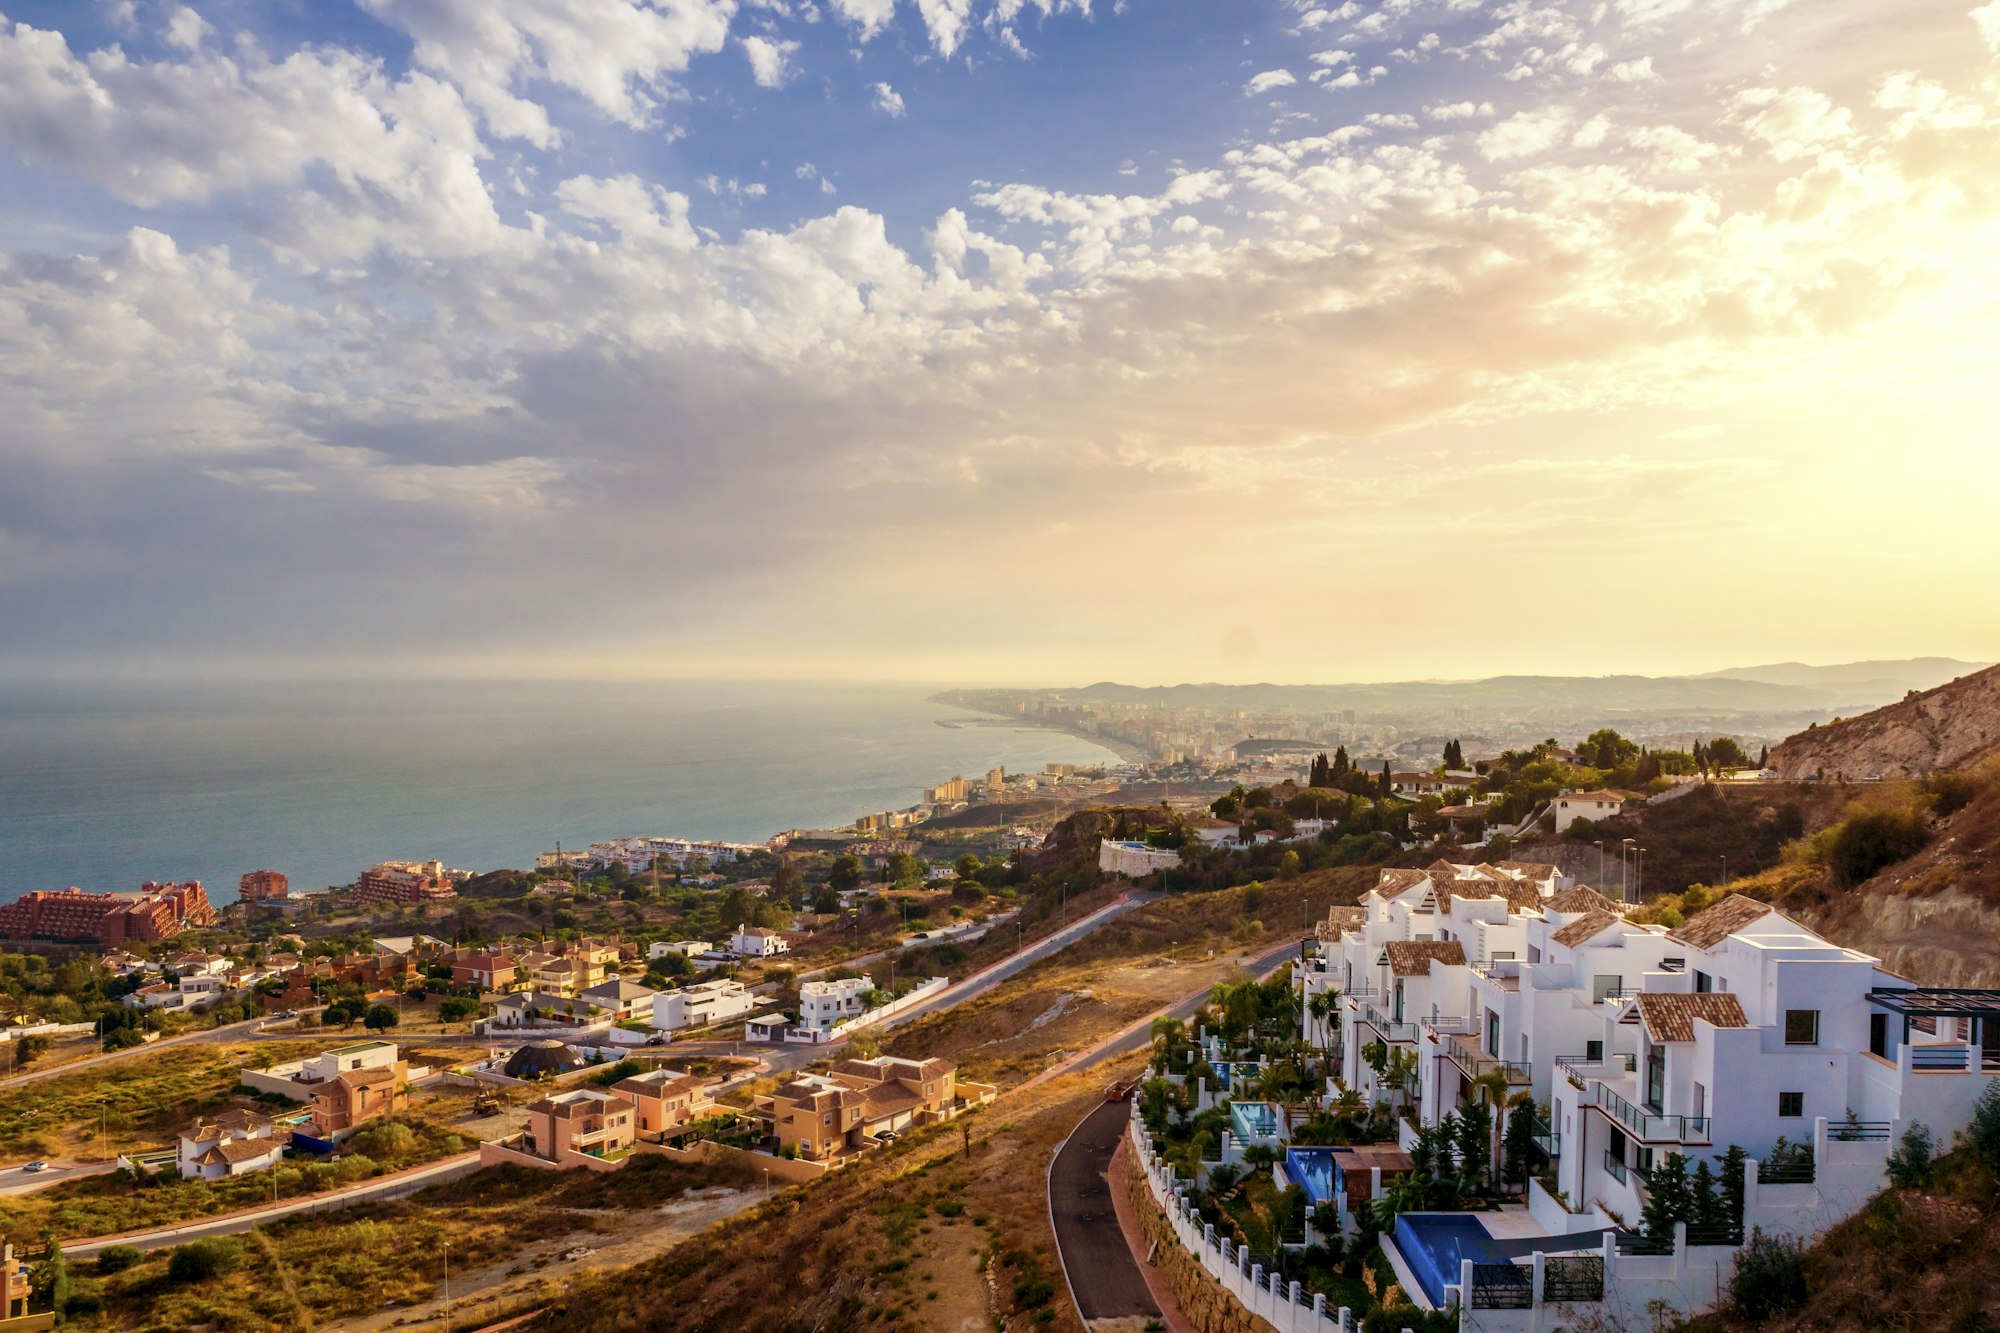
[[1624, 861], [446, 1247], [1639, 878]]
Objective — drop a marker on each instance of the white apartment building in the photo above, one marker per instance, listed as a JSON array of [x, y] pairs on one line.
[[823, 1005], [1739, 1028], [700, 1006]]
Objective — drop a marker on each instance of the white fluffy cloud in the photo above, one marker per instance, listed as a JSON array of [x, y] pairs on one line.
[[887, 99], [1525, 134], [617, 54], [1267, 81], [770, 59]]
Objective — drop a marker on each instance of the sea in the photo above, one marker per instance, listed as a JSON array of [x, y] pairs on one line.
[[105, 786]]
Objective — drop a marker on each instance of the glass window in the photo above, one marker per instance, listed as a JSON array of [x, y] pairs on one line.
[[1801, 1027], [1703, 983], [1593, 1051], [1792, 1104]]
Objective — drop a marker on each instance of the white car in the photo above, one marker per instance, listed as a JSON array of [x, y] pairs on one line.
[[36, 1166]]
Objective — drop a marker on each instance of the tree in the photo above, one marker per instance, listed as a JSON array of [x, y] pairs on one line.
[[1321, 772], [1668, 1199], [1724, 754], [202, 1260], [50, 1278], [845, 874], [788, 881], [904, 870], [380, 1018], [1454, 755], [1606, 749], [1910, 1164], [1384, 784]]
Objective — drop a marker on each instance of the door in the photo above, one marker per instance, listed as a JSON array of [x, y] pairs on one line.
[[1878, 1034], [1989, 1043]]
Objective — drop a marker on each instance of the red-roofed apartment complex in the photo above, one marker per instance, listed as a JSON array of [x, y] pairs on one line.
[[157, 912], [397, 882], [263, 886]]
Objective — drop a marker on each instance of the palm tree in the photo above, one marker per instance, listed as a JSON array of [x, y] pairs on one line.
[[1398, 1071], [1492, 1088], [1325, 1007]]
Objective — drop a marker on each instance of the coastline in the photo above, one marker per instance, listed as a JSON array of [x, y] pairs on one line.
[[1126, 751]]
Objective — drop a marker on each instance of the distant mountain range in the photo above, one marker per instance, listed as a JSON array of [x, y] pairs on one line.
[[1780, 688]]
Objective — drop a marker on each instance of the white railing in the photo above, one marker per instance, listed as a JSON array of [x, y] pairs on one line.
[[1284, 1305]]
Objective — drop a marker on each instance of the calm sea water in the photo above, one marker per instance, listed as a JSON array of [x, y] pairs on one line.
[[108, 786]]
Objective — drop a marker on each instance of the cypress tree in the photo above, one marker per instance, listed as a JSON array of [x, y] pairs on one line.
[[1384, 784]]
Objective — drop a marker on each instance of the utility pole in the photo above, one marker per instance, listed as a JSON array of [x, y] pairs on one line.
[[446, 1246]]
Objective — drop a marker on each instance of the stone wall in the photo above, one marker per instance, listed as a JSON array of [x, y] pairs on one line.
[[1207, 1305]]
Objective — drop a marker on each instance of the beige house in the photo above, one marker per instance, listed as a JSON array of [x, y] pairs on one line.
[[586, 1121], [567, 976], [828, 1115], [666, 1100]]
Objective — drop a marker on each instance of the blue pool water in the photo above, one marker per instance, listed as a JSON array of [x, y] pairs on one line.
[[1312, 1170], [1434, 1244], [1255, 1120], [1221, 1068]]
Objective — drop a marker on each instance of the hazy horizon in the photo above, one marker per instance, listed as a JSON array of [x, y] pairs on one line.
[[996, 340]]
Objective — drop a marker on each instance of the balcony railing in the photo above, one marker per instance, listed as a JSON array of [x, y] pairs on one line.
[[1502, 1286], [1651, 1127], [1390, 1031], [1579, 1068], [1953, 1059], [1543, 1133], [1438, 1024], [1616, 1168], [1576, 1280], [1475, 1062]]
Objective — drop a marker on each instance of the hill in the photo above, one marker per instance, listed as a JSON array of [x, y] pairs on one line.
[[1911, 673], [1953, 726]]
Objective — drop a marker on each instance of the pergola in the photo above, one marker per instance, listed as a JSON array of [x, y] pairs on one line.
[[1937, 1002]]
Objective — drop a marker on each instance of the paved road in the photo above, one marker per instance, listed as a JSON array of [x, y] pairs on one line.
[[19, 1180], [233, 1032], [387, 1187], [1102, 1274]]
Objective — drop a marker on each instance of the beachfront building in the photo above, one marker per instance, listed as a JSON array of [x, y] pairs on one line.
[[156, 912], [1134, 859], [398, 883], [259, 886]]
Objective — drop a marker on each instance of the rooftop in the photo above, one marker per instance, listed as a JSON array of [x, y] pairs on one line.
[[1670, 1016]]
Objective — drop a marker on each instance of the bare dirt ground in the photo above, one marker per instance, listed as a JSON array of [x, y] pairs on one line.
[[616, 1238]]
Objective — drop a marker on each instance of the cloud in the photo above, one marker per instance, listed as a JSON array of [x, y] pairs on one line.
[[888, 99], [1525, 134], [1792, 122], [1459, 110], [1268, 80], [770, 60], [617, 55]]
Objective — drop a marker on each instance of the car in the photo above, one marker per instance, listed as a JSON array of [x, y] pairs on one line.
[[36, 1166], [886, 1136]]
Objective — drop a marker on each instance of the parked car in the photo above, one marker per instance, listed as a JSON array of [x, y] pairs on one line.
[[36, 1166]]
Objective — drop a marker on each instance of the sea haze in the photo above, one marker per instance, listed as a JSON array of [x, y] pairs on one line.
[[105, 786]]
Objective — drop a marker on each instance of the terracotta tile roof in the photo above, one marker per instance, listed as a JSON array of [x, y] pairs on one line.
[[887, 1099], [1339, 920], [1530, 869], [1585, 928], [1395, 883], [1583, 898], [1670, 1017], [1522, 895], [238, 1150], [1710, 927], [1413, 958]]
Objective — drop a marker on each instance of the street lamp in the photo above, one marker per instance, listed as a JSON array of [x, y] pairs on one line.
[[446, 1247], [1639, 878], [1624, 862]]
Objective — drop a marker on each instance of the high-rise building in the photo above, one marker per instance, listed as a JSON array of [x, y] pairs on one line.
[[996, 784], [263, 886]]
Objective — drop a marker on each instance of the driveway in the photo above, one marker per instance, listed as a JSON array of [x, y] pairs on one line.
[[1102, 1274]]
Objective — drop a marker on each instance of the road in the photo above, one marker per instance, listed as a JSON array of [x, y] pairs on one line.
[[1088, 1237], [233, 1032], [20, 1180], [386, 1187], [945, 935]]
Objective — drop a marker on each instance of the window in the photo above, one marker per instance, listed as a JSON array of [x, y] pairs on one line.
[[1878, 1035], [1703, 983], [1791, 1104], [1604, 985], [1593, 1051], [1801, 1027], [1534, 954]]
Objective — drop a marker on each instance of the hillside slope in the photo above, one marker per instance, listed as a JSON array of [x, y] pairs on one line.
[[1953, 726]]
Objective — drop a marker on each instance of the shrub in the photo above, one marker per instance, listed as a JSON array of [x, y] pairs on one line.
[[203, 1260], [622, 1070], [1983, 1135], [118, 1258], [1952, 792], [1770, 1276], [1910, 1163], [1867, 843]]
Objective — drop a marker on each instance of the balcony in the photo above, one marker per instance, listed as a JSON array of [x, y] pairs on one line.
[[1651, 1127], [1615, 1168], [1579, 1069], [1468, 1056], [1437, 1025], [1391, 1032], [1543, 1133]]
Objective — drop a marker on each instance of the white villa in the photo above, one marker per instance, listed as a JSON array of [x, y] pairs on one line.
[[1737, 1029], [825, 1004], [757, 942], [229, 1145], [700, 1006]]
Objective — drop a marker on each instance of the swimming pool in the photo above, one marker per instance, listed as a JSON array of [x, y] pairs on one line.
[[1434, 1244], [1256, 1122], [1312, 1170]]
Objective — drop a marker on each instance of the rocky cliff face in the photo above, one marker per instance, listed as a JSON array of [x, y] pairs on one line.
[[1952, 726]]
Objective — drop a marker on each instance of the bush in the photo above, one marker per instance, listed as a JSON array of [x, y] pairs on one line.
[[1867, 843], [1770, 1276], [118, 1258], [1910, 1163], [1983, 1135], [204, 1260], [1952, 792], [622, 1070]]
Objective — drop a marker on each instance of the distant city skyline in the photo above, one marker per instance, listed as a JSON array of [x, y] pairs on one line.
[[1027, 342]]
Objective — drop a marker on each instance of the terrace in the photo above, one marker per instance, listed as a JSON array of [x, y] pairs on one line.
[[1648, 1126], [1469, 1056], [1922, 1007]]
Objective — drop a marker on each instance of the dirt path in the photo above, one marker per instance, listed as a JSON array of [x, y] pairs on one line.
[[625, 1238]]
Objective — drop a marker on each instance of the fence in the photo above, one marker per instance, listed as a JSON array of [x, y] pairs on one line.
[[1267, 1295]]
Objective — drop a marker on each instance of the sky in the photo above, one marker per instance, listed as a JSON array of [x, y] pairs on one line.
[[1024, 341]]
